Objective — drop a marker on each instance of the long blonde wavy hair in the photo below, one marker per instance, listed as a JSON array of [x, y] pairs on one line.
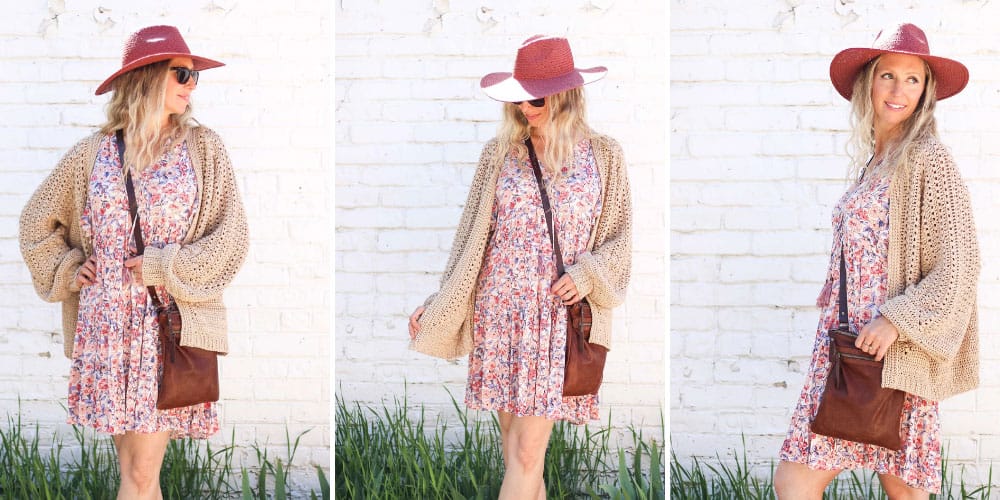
[[919, 125], [567, 125], [136, 106]]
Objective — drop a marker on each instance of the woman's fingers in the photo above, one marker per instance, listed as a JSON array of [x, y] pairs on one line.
[[87, 272], [876, 337], [414, 322], [880, 353], [565, 289], [134, 264]]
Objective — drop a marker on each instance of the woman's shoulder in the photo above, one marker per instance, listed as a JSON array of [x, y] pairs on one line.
[[203, 134], [82, 149], [606, 141], [89, 141], [608, 151], [931, 148], [489, 158], [932, 162], [491, 146]]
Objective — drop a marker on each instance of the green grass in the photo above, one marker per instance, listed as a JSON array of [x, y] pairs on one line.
[[386, 453], [732, 479], [191, 468]]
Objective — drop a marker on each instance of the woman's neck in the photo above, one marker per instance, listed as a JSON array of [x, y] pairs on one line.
[[538, 140], [884, 138], [537, 134]]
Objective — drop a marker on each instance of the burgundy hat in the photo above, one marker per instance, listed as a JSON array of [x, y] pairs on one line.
[[951, 76], [155, 44], [544, 66]]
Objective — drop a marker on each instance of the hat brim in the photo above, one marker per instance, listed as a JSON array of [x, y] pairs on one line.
[[200, 63], [504, 87], [950, 76]]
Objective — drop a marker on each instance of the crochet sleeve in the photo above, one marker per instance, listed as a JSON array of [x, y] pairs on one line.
[[602, 275], [934, 312], [469, 214], [45, 227], [200, 270]]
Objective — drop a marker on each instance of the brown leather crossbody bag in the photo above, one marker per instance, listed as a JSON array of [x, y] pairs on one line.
[[190, 375], [855, 406]]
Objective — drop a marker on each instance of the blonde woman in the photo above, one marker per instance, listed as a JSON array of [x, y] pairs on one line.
[[76, 238], [500, 300], [908, 241]]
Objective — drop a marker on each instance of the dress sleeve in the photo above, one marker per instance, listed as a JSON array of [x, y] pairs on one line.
[[602, 274], [201, 269], [934, 312], [46, 226]]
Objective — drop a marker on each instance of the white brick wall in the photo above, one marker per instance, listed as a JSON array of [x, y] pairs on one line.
[[411, 121], [757, 162], [271, 104]]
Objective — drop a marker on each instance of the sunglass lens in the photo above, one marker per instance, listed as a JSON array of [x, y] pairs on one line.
[[534, 102], [185, 74]]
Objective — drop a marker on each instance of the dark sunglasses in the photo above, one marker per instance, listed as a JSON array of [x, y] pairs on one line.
[[185, 74], [534, 102]]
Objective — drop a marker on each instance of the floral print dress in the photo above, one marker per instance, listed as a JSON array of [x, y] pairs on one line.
[[116, 351], [861, 227], [518, 357]]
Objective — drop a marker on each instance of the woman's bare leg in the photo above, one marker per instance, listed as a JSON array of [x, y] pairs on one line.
[[140, 457], [896, 489], [524, 442], [795, 481]]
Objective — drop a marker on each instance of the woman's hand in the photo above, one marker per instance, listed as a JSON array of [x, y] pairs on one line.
[[566, 290], [414, 325], [87, 272], [876, 337], [134, 265]]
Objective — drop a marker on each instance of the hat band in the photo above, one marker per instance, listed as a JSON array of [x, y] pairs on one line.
[[520, 75]]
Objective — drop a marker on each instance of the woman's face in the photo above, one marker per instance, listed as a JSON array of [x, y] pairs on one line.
[[896, 89], [537, 117], [178, 95]]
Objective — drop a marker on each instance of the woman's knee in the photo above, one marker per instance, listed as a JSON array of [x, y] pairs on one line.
[[530, 448], [140, 457], [143, 472], [531, 454]]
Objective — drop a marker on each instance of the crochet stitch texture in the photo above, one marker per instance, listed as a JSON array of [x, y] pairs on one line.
[[601, 275], [195, 273], [933, 271]]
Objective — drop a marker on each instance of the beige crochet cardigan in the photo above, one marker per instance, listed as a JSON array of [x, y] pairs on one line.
[[601, 274], [194, 273], [933, 270]]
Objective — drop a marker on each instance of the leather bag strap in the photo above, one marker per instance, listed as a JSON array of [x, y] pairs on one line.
[[133, 210], [842, 306], [545, 206]]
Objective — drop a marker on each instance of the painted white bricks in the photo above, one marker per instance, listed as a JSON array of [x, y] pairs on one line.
[[411, 122], [757, 163], [272, 105]]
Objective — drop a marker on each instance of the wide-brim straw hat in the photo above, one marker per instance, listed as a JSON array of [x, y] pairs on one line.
[[154, 44], [951, 76], [544, 66]]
